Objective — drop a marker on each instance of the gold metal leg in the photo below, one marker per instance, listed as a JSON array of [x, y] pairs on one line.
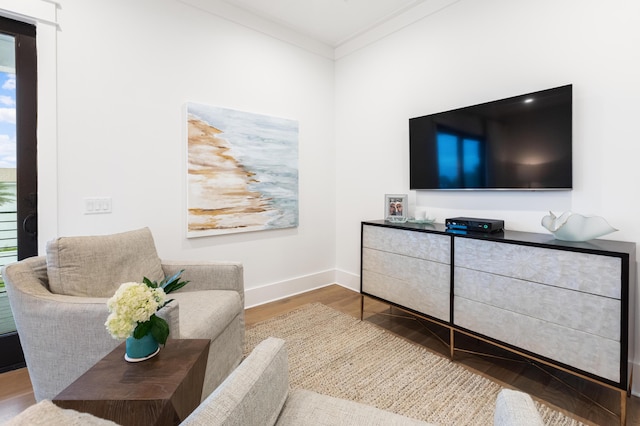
[[623, 407], [452, 347], [361, 307]]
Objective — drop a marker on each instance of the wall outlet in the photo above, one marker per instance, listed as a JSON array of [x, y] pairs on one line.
[[97, 205]]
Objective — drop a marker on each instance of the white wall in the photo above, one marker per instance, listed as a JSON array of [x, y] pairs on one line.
[[474, 52], [126, 70]]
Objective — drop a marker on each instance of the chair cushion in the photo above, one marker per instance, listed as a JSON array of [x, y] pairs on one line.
[[304, 407], [95, 266], [46, 413]]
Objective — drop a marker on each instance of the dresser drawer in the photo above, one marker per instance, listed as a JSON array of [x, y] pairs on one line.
[[421, 245], [561, 306], [578, 349], [426, 274], [409, 294], [587, 273]]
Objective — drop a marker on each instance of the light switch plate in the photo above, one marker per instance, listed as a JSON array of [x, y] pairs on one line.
[[97, 205]]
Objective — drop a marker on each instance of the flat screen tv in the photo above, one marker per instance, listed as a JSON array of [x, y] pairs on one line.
[[518, 143]]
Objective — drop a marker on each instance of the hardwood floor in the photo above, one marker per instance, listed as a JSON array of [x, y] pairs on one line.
[[16, 393]]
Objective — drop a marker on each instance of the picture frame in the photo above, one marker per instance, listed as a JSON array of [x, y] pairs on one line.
[[395, 207], [242, 171]]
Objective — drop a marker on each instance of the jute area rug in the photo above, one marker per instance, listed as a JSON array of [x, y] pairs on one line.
[[336, 354]]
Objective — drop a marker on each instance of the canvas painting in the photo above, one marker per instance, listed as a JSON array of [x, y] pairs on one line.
[[242, 171]]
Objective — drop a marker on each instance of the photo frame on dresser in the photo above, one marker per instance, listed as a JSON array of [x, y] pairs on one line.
[[395, 207]]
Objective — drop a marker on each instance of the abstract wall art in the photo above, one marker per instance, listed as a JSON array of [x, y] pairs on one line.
[[242, 171]]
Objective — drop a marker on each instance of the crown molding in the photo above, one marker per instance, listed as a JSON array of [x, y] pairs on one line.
[[389, 26], [252, 21], [377, 31]]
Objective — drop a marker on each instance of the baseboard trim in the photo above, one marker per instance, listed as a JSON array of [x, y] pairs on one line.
[[348, 280], [275, 291]]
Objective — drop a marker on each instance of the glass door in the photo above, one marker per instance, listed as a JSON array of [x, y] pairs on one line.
[[18, 170]]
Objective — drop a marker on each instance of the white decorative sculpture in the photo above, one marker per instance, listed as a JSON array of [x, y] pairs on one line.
[[576, 227]]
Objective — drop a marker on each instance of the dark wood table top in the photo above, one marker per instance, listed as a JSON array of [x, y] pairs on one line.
[[162, 390]]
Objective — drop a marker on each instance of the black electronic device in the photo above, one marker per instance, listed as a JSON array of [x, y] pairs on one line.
[[472, 224], [518, 143]]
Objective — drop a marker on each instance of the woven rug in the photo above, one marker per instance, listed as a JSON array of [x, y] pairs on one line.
[[336, 354]]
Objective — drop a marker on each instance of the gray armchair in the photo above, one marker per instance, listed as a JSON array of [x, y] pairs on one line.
[[59, 305]]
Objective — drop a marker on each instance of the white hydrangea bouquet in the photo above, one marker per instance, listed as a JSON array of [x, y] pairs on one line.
[[134, 305]]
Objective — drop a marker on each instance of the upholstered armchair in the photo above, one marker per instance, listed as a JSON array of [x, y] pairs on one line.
[[59, 305]]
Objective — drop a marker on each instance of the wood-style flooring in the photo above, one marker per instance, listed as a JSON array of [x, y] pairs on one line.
[[577, 398]]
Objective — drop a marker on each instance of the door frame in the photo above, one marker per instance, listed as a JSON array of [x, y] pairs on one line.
[[44, 15], [11, 356]]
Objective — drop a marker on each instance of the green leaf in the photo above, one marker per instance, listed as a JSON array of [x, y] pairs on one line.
[[142, 329], [149, 283], [171, 287], [173, 283], [159, 329], [172, 278]]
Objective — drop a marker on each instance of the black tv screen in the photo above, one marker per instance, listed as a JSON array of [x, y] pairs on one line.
[[519, 143]]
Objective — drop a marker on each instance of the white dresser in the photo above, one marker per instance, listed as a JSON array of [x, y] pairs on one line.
[[566, 304]]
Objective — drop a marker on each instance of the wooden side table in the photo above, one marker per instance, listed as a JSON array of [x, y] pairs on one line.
[[162, 390]]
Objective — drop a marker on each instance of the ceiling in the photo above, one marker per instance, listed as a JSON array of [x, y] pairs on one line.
[[331, 22], [332, 28]]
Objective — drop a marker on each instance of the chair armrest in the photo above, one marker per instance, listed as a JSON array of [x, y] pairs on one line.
[[61, 337], [208, 275], [515, 408], [253, 394], [46, 412]]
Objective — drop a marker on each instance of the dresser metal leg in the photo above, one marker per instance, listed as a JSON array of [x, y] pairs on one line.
[[623, 407], [452, 346]]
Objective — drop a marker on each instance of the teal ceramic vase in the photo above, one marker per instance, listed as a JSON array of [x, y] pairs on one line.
[[141, 349]]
